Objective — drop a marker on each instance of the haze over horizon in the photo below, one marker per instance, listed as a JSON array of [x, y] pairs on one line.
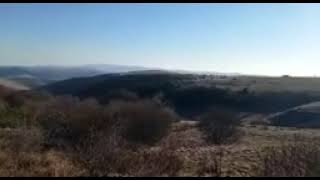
[[262, 39]]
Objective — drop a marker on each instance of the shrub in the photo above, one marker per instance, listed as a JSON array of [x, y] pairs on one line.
[[219, 126], [66, 121], [10, 117], [109, 154], [4, 91], [19, 109], [144, 122], [102, 154], [31, 111], [84, 130], [97, 137], [298, 158], [3, 106], [14, 99], [53, 120], [19, 98]]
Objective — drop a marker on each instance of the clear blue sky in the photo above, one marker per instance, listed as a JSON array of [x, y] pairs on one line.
[[270, 39]]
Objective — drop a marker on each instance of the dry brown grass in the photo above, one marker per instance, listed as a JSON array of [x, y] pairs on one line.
[[101, 150], [182, 153], [157, 162], [50, 163], [106, 157], [298, 157], [210, 164], [238, 159], [22, 154]]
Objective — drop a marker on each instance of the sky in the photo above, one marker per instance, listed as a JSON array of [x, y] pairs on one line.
[[264, 39]]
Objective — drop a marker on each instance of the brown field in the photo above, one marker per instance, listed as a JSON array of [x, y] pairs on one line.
[[237, 159], [240, 158]]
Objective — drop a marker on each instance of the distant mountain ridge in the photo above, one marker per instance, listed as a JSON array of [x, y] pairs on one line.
[[34, 76], [41, 75]]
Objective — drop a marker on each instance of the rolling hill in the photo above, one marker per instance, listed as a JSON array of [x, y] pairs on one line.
[[189, 94], [304, 116], [34, 76]]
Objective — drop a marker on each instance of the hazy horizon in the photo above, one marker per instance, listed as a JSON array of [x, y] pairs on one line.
[[261, 39]]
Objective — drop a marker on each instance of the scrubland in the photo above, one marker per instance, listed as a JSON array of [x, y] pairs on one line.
[[47, 135]]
